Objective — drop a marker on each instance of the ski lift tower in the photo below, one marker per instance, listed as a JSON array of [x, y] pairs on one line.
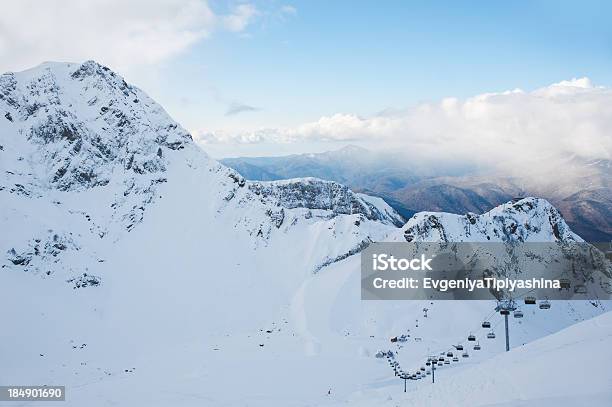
[[504, 308], [433, 360], [405, 377]]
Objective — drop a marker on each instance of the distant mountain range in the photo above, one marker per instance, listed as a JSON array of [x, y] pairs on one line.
[[586, 205]]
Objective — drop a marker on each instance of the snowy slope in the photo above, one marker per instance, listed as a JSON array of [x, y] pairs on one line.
[[567, 368], [136, 270]]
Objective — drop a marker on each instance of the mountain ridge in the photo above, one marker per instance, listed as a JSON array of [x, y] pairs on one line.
[[410, 189]]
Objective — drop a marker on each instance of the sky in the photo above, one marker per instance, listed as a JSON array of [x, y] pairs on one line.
[[273, 77]]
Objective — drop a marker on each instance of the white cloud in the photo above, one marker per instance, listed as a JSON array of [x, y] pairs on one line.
[[288, 10], [240, 17], [514, 130], [118, 33]]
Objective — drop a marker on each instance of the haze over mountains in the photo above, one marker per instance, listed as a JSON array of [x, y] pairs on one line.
[[585, 202]]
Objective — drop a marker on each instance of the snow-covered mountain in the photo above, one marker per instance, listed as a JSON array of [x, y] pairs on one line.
[[521, 220], [136, 270], [85, 157]]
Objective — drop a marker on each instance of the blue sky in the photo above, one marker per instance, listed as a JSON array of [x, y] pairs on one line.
[[247, 68], [362, 57]]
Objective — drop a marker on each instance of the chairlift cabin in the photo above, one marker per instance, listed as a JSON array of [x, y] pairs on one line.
[[518, 314], [439, 363], [465, 355], [471, 338], [565, 284], [491, 335], [441, 359], [477, 346], [530, 300], [447, 362], [545, 304], [422, 369], [428, 363], [486, 324], [428, 373], [455, 359], [580, 289], [449, 354], [504, 311], [459, 347]]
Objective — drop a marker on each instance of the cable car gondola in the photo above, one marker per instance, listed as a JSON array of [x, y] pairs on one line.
[[565, 284], [447, 362], [491, 335], [455, 359], [504, 311], [459, 347], [530, 300], [449, 354], [477, 346], [518, 314], [471, 338], [486, 324], [545, 304], [580, 289], [465, 355]]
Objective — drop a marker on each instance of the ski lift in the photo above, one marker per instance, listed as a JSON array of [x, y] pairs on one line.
[[441, 359], [455, 359], [530, 300], [459, 347], [439, 363], [428, 363], [447, 362], [518, 314], [491, 335], [449, 354], [477, 346], [565, 284], [471, 338], [545, 304], [465, 355], [486, 324], [422, 369], [504, 311], [428, 373], [580, 289]]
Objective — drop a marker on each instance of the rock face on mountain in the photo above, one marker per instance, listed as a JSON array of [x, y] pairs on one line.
[[82, 121], [314, 193], [522, 220]]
